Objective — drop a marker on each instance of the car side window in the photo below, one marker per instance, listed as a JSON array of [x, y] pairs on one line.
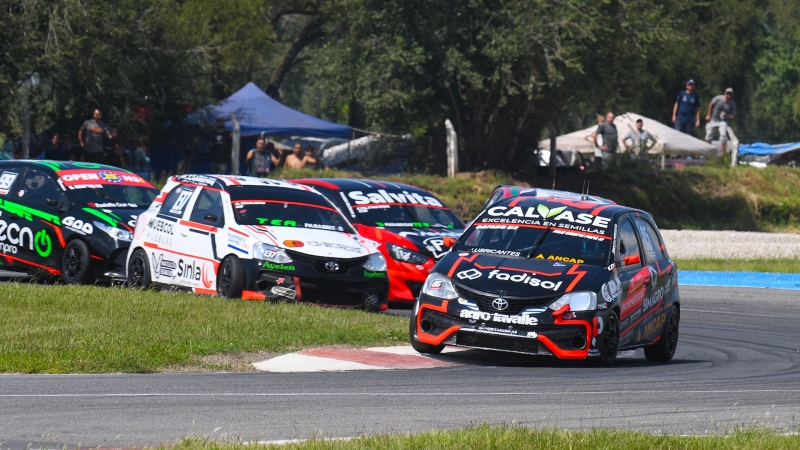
[[37, 188], [177, 200], [628, 254], [208, 209], [8, 178], [652, 245]]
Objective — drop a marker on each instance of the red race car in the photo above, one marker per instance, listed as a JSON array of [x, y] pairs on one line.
[[409, 222]]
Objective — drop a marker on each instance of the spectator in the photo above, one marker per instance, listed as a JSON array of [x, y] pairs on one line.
[[91, 137], [262, 159], [686, 110], [598, 154], [56, 151], [608, 131], [721, 110], [118, 156], [298, 159], [139, 161], [75, 151], [641, 139], [220, 145]]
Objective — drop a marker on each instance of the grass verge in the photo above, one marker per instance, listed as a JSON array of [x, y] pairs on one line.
[[741, 265], [88, 329], [520, 438]]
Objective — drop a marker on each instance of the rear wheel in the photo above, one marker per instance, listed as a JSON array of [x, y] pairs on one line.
[[230, 278], [664, 349], [610, 345], [139, 270], [420, 346], [76, 263]]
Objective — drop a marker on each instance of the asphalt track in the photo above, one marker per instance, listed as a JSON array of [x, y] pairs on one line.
[[737, 364]]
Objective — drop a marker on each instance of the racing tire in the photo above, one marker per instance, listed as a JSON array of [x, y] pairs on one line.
[[663, 350], [610, 347], [230, 278], [139, 271], [419, 346], [76, 263]]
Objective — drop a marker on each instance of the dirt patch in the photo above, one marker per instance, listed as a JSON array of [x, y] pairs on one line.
[[224, 362]]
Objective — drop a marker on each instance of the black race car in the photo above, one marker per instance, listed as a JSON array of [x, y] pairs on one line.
[[574, 279], [69, 218]]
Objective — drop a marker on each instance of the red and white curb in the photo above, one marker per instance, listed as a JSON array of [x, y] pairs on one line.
[[347, 359]]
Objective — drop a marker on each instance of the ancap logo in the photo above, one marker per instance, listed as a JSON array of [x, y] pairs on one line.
[[499, 304], [333, 266], [470, 274]]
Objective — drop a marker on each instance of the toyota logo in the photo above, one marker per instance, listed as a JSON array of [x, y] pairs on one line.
[[499, 304], [333, 266]]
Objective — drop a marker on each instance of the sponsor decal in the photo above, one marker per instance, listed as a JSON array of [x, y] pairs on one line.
[[543, 212], [436, 285], [492, 251], [276, 266], [435, 245], [638, 280], [208, 275], [523, 319], [525, 279], [632, 302], [113, 205], [423, 233], [567, 259], [6, 180], [77, 226], [317, 226], [180, 203], [654, 325], [15, 236], [334, 245], [43, 244], [403, 224], [293, 244], [162, 267], [190, 270], [382, 197], [611, 290], [471, 274], [274, 222], [197, 179], [161, 226], [238, 242], [74, 178], [558, 264], [369, 274]]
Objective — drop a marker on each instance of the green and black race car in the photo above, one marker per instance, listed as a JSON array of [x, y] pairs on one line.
[[69, 218]]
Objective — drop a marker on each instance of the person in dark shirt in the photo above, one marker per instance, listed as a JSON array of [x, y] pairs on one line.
[[56, 151], [608, 131], [220, 145], [686, 112], [118, 157], [91, 135], [262, 159]]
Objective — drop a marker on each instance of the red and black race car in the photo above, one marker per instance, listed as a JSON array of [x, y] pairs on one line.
[[574, 279], [409, 222]]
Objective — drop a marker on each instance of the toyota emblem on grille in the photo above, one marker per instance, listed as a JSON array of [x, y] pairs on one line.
[[333, 266], [499, 304]]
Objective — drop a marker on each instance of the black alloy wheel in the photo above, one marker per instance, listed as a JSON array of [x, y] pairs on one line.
[[76, 263], [230, 278], [663, 350], [139, 270], [610, 344], [420, 346]]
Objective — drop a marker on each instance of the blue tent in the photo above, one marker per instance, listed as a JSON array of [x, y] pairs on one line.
[[761, 149], [258, 113]]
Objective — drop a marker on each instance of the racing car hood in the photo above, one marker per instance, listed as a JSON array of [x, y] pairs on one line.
[[517, 277], [333, 244], [124, 218], [428, 241]]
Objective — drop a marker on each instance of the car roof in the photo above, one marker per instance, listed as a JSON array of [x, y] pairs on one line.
[[224, 182], [56, 166], [354, 184], [552, 193]]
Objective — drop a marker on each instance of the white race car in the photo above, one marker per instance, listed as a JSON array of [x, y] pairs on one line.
[[257, 239]]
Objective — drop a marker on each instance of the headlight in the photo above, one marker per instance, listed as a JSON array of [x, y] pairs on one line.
[[577, 301], [270, 253], [438, 285], [376, 263], [406, 255], [115, 233]]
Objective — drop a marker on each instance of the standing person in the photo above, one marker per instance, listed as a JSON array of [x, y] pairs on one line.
[[118, 157], [220, 145], [91, 137], [642, 140], [262, 160], [598, 154], [56, 151], [686, 112], [608, 131], [298, 159], [721, 110]]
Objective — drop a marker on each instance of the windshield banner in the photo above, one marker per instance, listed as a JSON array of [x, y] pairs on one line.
[[97, 178]]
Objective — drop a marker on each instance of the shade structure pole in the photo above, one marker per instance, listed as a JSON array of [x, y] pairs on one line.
[[237, 132], [452, 149]]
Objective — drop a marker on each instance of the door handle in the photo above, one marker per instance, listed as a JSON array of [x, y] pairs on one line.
[[184, 234]]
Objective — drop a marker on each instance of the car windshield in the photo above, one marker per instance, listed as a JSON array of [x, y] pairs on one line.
[[285, 208], [535, 241], [406, 216], [115, 196]]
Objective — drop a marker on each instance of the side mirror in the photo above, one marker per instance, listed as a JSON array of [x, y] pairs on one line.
[[630, 260], [448, 242]]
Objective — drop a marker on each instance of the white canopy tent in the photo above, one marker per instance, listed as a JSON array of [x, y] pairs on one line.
[[668, 140]]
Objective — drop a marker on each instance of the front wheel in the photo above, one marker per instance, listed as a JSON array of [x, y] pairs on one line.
[[664, 349], [76, 263], [420, 346], [139, 270], [610, 343], [230, 278]]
